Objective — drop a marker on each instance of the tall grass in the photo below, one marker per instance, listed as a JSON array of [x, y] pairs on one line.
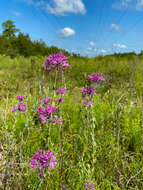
[[101, 144]]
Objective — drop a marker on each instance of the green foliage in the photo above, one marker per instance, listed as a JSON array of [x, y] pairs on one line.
[[101, 144], [14, 45], [9, 29]]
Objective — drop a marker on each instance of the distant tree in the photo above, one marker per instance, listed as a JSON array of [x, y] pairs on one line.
[[24, 44], [9, 29]]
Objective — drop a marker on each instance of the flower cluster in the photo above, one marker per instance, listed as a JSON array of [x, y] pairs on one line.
[[56, 61], [20, 98], [88, 102], [43, 160], [20, 107], [96, 78], [61, 91], [89, 186], [46, 101], [87, 91], [57, 120], [45, 113]]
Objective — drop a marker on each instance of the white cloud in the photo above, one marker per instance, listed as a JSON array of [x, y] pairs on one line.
[[59, 7], [133, 4], [15, 13], [139, 5], [103, 51], [115, 27], [91, 43], [122, 3], [63, 7], [67, 32], [122, 46], [89, 48]]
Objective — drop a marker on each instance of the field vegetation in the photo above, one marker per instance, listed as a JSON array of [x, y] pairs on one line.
[[94, 139]]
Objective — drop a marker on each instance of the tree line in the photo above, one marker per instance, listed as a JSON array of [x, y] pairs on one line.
[[13, 43]]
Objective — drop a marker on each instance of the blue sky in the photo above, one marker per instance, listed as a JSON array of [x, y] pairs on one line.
[[89, 27]]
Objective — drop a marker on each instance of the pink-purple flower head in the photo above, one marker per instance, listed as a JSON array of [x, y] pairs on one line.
[[45, 113], [43, 160], [136, 103], [87, 91], [20, 107], [61, 91], [89, 186], [96, 78], [50, 109], [45, 101], [60, 100], [134, 93], [88, 102], [56, 61], [57, 120], [20, 97]]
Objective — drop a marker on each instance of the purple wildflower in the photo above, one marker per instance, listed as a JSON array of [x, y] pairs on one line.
[[57, 120], [90, 186], [45, 113], [20, 107], [87, 91], [50, 109], [90, 90], [84, 91], [61, 91], [59, 100], [134, 93], [88, 102], [56, 61], [136, 103], [20, 97], [45, 101], [42, 160], [96, 78], [14, 108]]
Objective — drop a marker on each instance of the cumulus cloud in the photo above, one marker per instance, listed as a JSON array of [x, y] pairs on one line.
[[63, 7], [122, 46], [59, 7], [115, 27], [67, 32], [91, 43]]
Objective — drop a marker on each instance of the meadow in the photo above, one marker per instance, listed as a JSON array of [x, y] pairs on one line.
[[97, 146]]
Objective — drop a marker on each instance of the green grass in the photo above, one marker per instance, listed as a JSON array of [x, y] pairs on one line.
[[102, 144]]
